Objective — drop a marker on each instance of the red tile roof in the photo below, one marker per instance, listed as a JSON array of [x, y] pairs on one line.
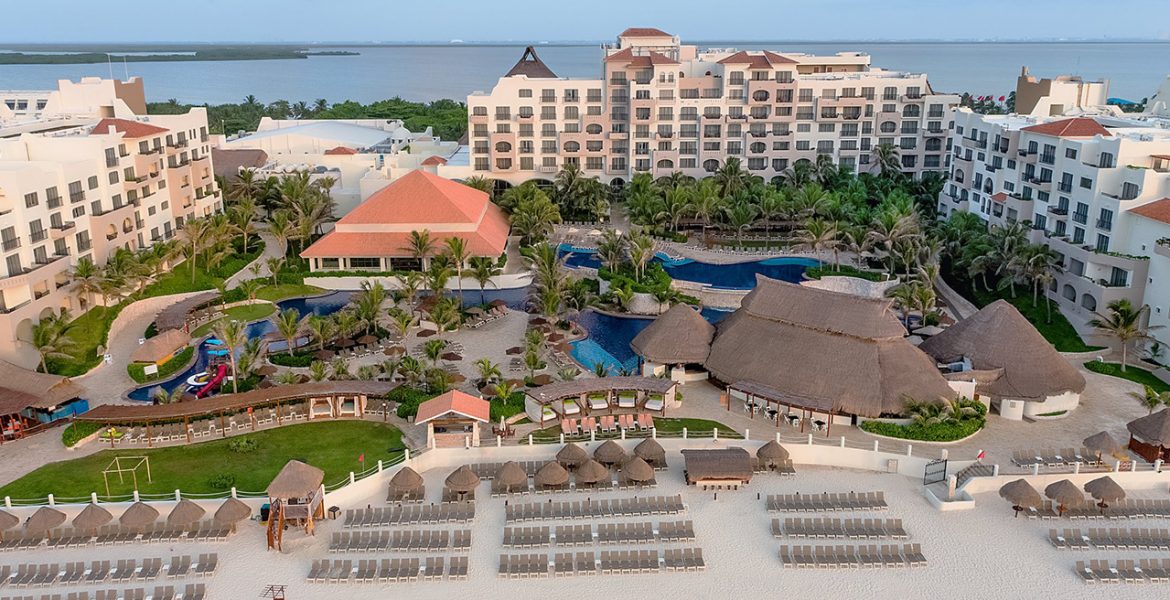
[[433, 161], [1077, 127], [1000, 197], [766, 60], [340, 151], [1158, 210], [130, 129], [641, 60], [643, 32], [456, 402]]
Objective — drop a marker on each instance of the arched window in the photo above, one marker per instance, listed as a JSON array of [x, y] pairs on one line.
[[1088, 302], [987, 186], [503, 147], [1068, 292], [889, 127], [593, 129], [760, 95], [572, 147], [933, 145], [759, 147], [711, 165], [666, 163], [912, 110], [959, 176]]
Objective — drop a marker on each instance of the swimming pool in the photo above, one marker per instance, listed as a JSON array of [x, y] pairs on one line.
[[610, 336], [737, 276], [320, 305]]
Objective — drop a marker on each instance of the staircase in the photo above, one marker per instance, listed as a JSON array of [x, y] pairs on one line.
[[276, 525], [975, 470]]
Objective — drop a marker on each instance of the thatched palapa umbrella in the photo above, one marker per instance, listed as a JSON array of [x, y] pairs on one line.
[[772, 454], [405, 481], [512, 476], [1021, 494], [231, 512], [1066, 495], [637, 470], [266, 370], [138, 516], [8, 521], [1102, 443], [91, 517], [462, 480], [185, 513], [572, 455], [1105, 491], [609, 453], [44, 520], [591, 472], [651, 451], [367, 339], [552, 474]]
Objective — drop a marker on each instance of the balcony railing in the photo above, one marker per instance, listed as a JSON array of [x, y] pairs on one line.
[[1106, 224], [1058, 210]]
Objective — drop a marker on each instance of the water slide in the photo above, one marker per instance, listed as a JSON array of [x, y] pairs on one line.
[[214, 383]]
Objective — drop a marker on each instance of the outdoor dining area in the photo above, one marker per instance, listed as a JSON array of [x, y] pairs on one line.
[[600, 397], [762, 401]]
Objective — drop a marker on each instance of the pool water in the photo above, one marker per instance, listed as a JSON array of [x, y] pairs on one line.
[[609, 338], [737, 276]]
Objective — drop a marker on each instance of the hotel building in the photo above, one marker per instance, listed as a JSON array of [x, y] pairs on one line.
[[1093, 182], [661, 106], [83, 171]]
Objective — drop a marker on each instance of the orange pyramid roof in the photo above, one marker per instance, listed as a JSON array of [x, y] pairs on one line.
[[1078, 127], [457, 402], [130, 129]]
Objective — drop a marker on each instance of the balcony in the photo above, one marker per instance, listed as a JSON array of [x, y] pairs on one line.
[[113, 236], [1162, 247], [60, 231], [1058, 210], [76, 197], [1064, 187], [1104, 224], [11, 244]]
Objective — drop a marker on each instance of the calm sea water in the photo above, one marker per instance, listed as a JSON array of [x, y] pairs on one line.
[[431, 72]]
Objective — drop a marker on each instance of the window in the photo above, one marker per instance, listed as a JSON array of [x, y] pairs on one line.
[[365, 263], [30, 200], [1070, 153], [1086, 183], [1102, 243], [1105, 220]]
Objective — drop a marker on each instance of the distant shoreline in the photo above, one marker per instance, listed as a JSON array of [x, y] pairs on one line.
[[69, 57]]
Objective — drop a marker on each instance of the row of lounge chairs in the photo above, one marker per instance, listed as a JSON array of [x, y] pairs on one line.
[[487, 471], [109, 535], [1147, 570], [101, 571], [1124, 509], [431, 568], [784, 467], [827, 502], [607, 424], [622, 484], [839, 528], [488, 317], [1111, 539], [608, 562], [588, 509], [400, 540], [451, 512], [1055, 458], [852, 557], [606, 533], [207, 428], [193, 591]]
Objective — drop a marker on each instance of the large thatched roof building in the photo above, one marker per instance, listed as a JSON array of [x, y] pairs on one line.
[[1009, 361], [29, 399], [818, 352], [678, 337]]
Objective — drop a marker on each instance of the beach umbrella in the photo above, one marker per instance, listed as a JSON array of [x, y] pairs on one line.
[[1066, 495], [91, 517], [542, 379], [265, 384], [462, 480], [1021, 494], [556, 337], [1105, 491], [185, 513], [497, 303], [138, 516], [650, 451], [8, 520], [457, 378], [638, 470], [345, 343], [44, 520], [266, 370], [537, 321], [475, 311], [514, 350], [1101, 443], [427, 333], [511, 475], [232, 511], [452, 356], [324, 355], [394, 351], [367, 339], [565, 347], [609, 453], [405, 481], [772, 453], [591, 471], [572, 455], [516, 383], [552, 474]]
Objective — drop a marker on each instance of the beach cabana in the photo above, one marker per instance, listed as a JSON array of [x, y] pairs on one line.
[[232, 511], [591, 473], [1149, 436], [185, 513], [43, 521], [771, 454], [1065, 494], [91, 518], [296, 496], [652, 452], [1105, 491], [462, 483], [675, 345], [1021, 494], [722, 467], [406, 485], [453, 419], [139, 516], [600, 396], [511, 478], [637, 471], [609, 453], [571, 455], [551, 476]]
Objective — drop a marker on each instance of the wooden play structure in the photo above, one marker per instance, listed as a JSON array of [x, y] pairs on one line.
[[296, 498]]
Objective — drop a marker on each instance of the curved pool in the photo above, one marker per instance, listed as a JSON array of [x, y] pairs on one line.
[[610, 336], [735, 276]]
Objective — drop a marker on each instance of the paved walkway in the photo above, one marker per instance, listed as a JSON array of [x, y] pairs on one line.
[[271, 250]]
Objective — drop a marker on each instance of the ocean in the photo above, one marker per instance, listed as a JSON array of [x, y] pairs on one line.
[[429, 72]]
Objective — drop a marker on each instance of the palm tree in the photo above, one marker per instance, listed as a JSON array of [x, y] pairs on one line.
[[318, 370], [731, 178], [282, 228], [818, 235], [50, 339], [390, 368], [481, 183], [87, 280], [275, 264], [401, 320], [772, 206], [488, 371], [340, 368], [482, 270], [642, 248], [904, 294], [411, 282], [1125, 324], [160, 396], [195, 234], [249, 287], [457, 250], [740, 216], [446, 315], [288, 324], [533, 361], [233, 334], [243, 216], [675, 205], [369, 303], [321, 328], [534, 217], [503, 392], [611, 250], [1151, 399], [437, 277], [887, 159], [433, 350], [706, 205], [420, 246]]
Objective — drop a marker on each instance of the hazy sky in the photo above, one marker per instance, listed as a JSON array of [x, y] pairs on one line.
[[504, 20]]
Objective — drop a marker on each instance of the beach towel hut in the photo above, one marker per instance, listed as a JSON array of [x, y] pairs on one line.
[[637, 471], [652, 452], [91, 517], [1105, 491], [1066, 495], [719, 467], [139, 516], [592, 472], [771, 454], [1021, 494], [185, 513], [572, 455], [232, 511], [296, 495], [407, 483], [551, 475], [609, 453], [43, 521], [512, 477], [463, 481]]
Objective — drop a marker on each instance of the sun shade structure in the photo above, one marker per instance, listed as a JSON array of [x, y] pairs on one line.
[[591, 472], [1021, 494], [1149, 436], [1102, 443], [531, 66], [679, 336], [552, 474], [650, 451], [232, 511], [185, 513], [462, 481], [405, 481], [1105, 491], [637, 470], [772, 453], [91, 517], [8, 520], [1066, 494], [512, 476], [572, 455], [609, 453], [175, 315], [44, 520], [729, 466], [138, 516], [295, 480], [822, 351], [161, 347]]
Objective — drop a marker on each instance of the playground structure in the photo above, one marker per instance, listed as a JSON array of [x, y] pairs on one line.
[[296, 497]]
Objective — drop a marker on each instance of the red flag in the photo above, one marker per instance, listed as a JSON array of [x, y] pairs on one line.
[[982, 454], [362, 457], [1002, 98]]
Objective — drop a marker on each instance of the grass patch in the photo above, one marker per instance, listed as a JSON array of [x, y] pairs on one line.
[[284, 291], [1132, 373], [846, 271], [506, 410], [948, 431], [300, 358], [696, 427], [203, 468], [77, 431], [178, 361], [245, 313]]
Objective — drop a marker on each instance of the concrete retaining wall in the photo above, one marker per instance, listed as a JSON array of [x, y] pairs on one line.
[[501, 282]]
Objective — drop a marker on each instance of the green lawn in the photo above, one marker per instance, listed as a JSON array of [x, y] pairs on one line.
[[276, 293], [1132, 373], [829, 270], [246, 313], [331, 445], [167, 369], [663, 425]]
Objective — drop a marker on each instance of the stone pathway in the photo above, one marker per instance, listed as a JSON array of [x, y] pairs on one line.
[[271, 250]]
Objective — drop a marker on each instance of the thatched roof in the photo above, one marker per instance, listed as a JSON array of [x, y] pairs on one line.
[[185, 513], [1021, 493], [175, 315], [531, 66], [588, 385], [999, 337], [462, 480], [728, 464], [1105, 489], [91, 517], [772, 451], [1152, 429], [592, 471], [1101, 442], [551, 474], [8, 520], [44, 519], [650, 449], [161, 346], [637, 469], [1065, 492], [572, 455], [609, 452], [680, 335], [295, 480], [140, 514], [231, 511], [511, 475], [406, 480], [824, 351], [22, 388]]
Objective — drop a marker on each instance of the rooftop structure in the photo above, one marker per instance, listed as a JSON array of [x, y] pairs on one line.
[[1058, 95], [453, 419], [722, 467]]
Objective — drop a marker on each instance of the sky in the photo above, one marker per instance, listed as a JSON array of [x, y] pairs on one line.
[[57, 21]]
